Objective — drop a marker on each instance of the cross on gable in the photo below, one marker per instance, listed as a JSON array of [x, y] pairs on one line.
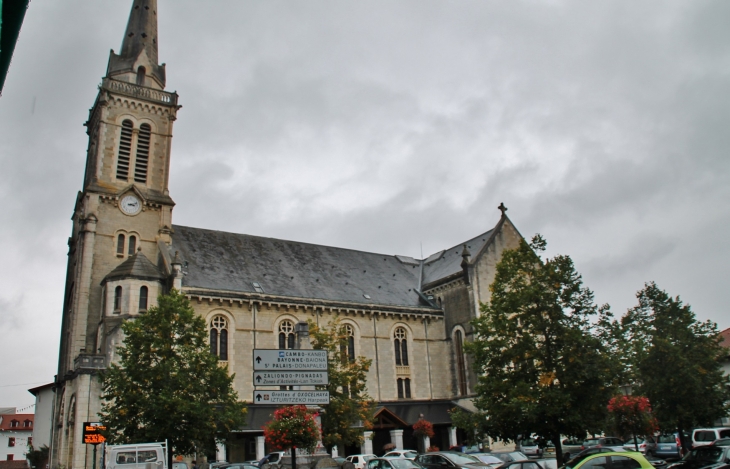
[[502, 208]]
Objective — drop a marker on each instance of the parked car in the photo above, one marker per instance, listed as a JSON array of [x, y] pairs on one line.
[[488, 459], [571, 447], [705, 436], [253, 462], [721, 442], [604, 442], [272, 458], [402, 454], [645, 445], [449, 459], [668, 446], [530, 448], [359, 460], [509, 456], [179, 465], [238, 465], [520, 465], [615, 460], [392, 463], [715, 457], [576, 459]]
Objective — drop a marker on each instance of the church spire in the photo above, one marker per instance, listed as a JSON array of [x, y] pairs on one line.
[[137, 59], [141, 31]]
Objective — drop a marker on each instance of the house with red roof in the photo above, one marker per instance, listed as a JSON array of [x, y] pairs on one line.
[[16, 435]]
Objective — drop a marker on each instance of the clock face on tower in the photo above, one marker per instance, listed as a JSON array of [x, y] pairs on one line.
[[130, 205]]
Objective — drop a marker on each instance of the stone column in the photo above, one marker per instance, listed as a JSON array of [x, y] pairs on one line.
[[367, 443], [220, 452], [335, 453], [260, 440], [426, 443], [396, 437], [452, 436]]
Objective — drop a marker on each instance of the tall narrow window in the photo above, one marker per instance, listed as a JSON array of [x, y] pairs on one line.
[[460, 365], [286, 335], [400, 341], [141, 72], [125, 149], [132, 245], [143, 153], [219, 337], [347, 346], [120, 244], [407, 386], [400, 388], [143, 298], [11, 442], [117, 299]]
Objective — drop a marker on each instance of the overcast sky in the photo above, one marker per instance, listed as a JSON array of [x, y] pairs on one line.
[[386, 125]]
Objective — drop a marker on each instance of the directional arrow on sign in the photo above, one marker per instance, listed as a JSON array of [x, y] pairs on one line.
[[258, 359], [258, 397], [258, 378]]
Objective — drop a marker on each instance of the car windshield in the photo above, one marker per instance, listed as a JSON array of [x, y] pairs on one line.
[[458, 458], [367, 457], [590, 442], [705, 454], [666, 439], [404, 464], [529, 442], [488, 459]]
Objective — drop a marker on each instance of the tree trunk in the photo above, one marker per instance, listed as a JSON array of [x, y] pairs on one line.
[[558, 449]]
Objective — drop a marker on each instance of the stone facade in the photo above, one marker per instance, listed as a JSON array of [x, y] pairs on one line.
[[123, 245]]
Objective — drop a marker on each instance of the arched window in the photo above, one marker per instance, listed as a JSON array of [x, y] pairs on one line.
[[143, 298], [117, 299], [460, 364], [143, 153], [125, 149], [400, 340], [141, 72], [286, 335], [404, 388], [132, 245], [120, 244], [347, 346], [219, 337]]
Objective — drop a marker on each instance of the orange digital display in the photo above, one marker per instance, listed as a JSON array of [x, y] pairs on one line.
[[92, 433]]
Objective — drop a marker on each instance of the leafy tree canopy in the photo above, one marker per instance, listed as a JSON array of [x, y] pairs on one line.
[[675, 361], [167, 384], [538, 350], [350, 411]]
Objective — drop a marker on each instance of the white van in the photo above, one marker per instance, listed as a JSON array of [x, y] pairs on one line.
[[705, 436], [138, 456]]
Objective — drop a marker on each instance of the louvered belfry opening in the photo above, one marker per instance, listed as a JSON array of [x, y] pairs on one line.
[[125, 148], [143, 153]]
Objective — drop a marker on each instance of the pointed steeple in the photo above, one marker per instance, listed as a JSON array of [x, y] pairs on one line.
[[137, 59], [141, 31]]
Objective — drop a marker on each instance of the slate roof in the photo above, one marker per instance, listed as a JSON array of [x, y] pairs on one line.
[[137, 266], [218, 260], [448, 262]]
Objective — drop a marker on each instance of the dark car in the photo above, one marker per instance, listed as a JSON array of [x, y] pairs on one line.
[[392, 463], [447, 459], [715, 457], [575, 460], [721, 442]]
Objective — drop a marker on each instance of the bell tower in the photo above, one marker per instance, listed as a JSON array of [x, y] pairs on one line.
[[122, 220]]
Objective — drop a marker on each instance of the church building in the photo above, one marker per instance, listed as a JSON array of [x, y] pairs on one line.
[[409, 316]]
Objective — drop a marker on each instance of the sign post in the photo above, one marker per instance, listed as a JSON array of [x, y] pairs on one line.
[[93, 436]]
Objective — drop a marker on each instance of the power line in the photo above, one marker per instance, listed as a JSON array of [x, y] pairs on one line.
[[21, 384]]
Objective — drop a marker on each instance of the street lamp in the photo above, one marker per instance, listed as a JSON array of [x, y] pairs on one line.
[[626, 390]]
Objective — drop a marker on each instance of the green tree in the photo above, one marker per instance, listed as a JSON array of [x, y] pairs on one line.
[[350, 411], [38, 458], [675, 361], [538, 351], [167, 385]]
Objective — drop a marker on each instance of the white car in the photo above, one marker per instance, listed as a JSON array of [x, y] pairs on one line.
[[359, 460], [402, 454]]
